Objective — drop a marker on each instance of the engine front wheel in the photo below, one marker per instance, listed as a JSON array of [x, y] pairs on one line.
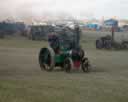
[[85, 65], [68, 64]]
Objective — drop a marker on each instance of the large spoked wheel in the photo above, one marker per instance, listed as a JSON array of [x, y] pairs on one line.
[[99, 44], [68, 64], [124, 45], [46, 59], [85, 65], [108, 44]]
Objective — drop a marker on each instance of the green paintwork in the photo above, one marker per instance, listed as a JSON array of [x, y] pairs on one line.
[[59, 58]]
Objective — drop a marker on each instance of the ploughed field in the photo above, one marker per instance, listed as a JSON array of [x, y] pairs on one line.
[[21, 79]]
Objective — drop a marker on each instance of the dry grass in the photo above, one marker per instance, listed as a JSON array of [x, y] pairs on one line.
[[21, 79]]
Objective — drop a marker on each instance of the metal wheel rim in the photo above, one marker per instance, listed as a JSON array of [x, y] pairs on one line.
[[46, 63], [85, 66]]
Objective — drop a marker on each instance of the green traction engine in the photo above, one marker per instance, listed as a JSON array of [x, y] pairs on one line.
[[64, 51]]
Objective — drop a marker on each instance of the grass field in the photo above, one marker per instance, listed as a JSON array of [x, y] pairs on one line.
[[21, 79]]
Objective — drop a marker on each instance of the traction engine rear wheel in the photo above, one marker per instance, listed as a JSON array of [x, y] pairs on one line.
[[99, 44], [46, 59]]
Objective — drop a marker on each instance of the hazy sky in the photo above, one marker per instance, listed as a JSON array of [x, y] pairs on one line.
[[76, 8]]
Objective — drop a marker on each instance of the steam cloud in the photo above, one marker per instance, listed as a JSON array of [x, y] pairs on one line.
[[50, 9], [43, 9]]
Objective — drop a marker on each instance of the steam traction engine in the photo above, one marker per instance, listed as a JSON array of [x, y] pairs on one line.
[[64, 51]]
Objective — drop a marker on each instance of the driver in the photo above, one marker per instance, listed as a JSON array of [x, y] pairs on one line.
[[54, 42]]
